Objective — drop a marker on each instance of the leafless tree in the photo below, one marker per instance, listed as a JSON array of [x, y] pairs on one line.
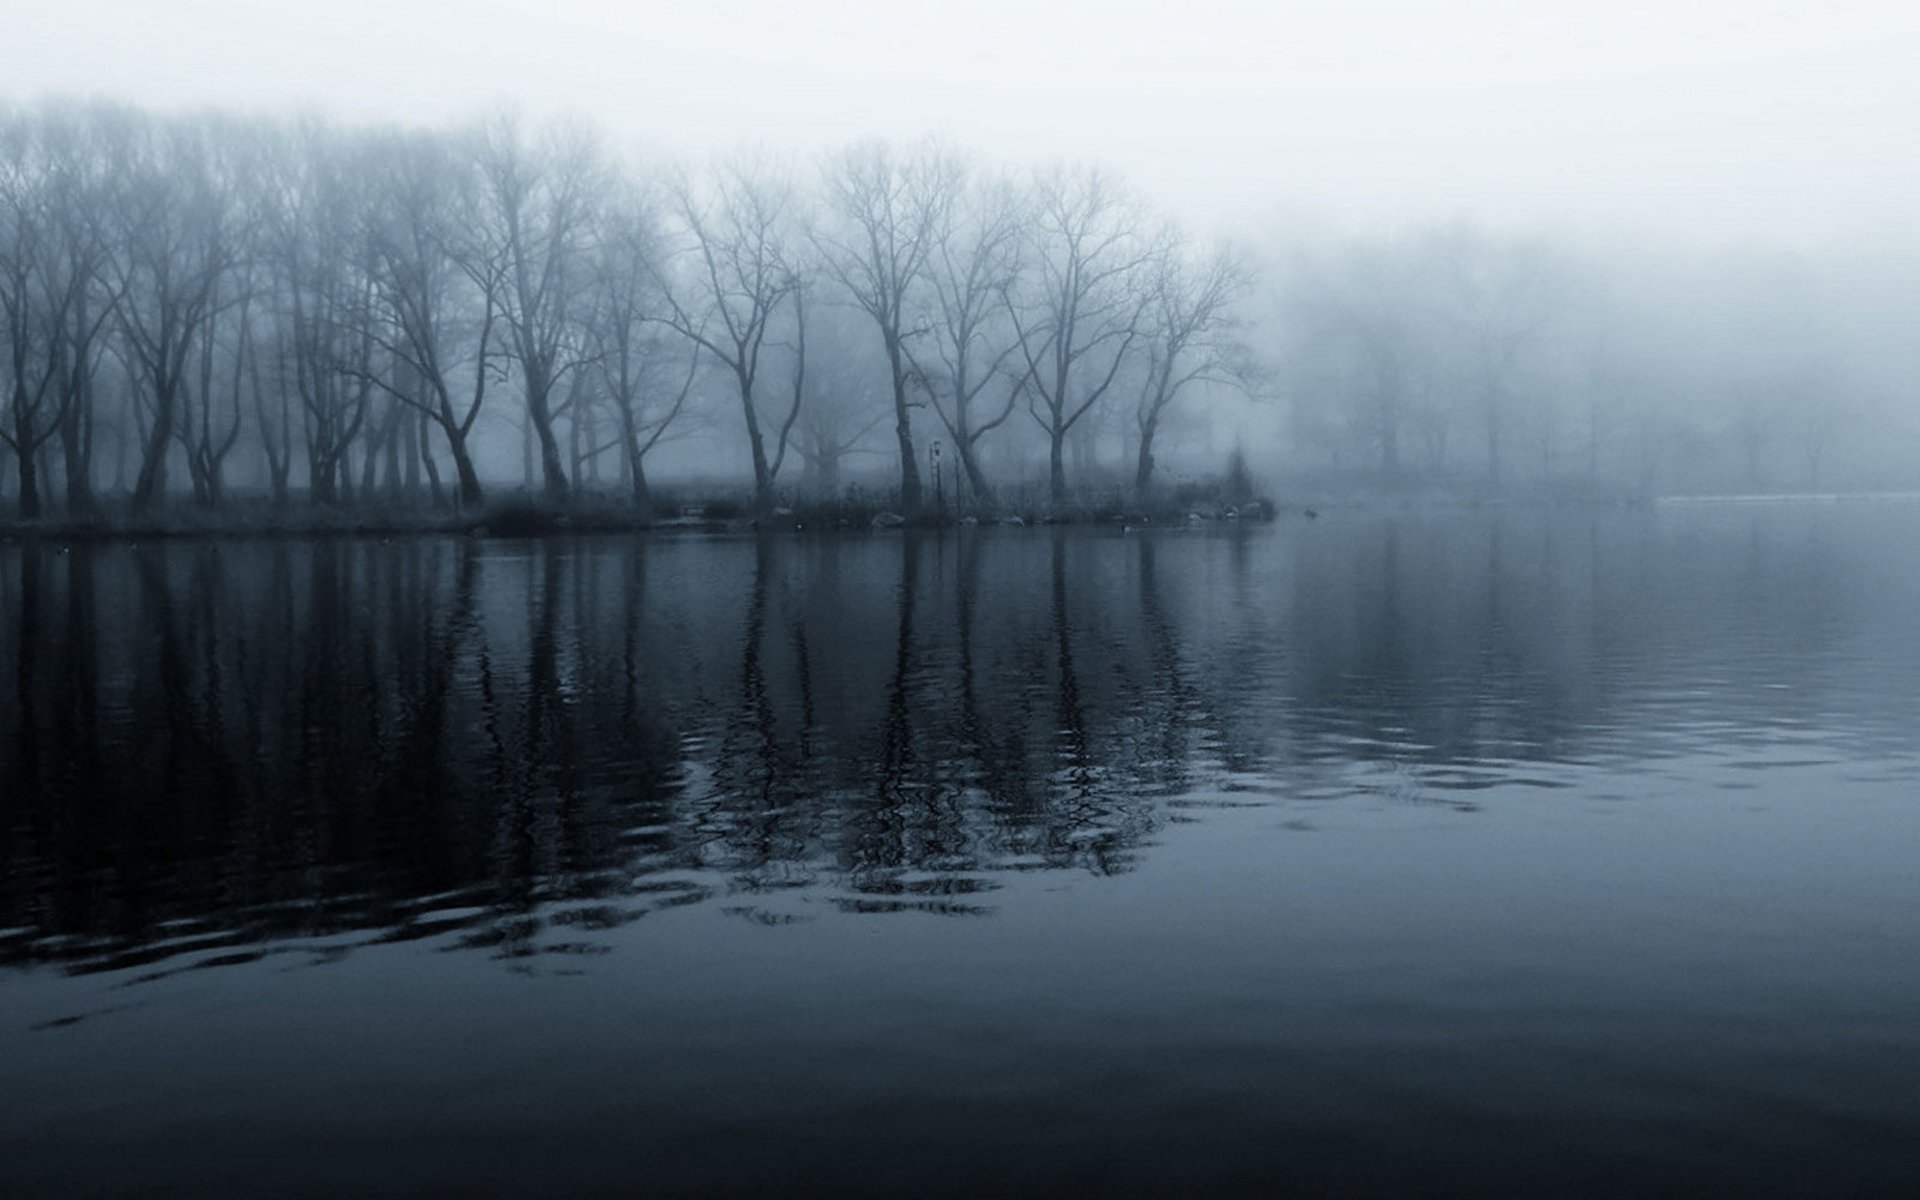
[[82, 199], [435, 295], [210, 410], [1186, 322], [647, 384], [1361, 321], [318, 258], [974, 262], [739, 272], [173, 252], [539, 208], [844, 402], [1080, 307], [54, 299], [1502, 293], [888, 211]]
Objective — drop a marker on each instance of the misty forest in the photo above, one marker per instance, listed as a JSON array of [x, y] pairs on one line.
[[891, 599], [214, 311]]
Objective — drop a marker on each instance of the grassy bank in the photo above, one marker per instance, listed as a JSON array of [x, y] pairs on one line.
[[721, 510], [523, 517]]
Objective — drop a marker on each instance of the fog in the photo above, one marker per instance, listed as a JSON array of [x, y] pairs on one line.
[[1782, 121], [879, 597], [1620, 252]]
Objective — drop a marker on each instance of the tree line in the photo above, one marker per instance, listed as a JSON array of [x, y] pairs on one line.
[[202, 306], [1449, 354], [192, 301]]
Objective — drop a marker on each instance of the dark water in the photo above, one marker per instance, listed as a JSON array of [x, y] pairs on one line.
[[1421, 854]]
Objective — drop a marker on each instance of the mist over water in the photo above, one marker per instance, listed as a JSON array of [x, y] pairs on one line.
[[896, 598], [1504, 849]]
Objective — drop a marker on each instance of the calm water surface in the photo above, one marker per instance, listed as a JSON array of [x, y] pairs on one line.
[[1561, 852]]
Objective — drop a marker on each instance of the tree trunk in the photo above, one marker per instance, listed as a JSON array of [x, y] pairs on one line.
[[1143, 466], [425, 449], [576, 457], [470, 495], [982, 491], [403, 465], [151, 483], [75, 445], [910, 491], [320, 482], [371, 450], [642, 496], [762, 476], [29, 473], [553, 471]]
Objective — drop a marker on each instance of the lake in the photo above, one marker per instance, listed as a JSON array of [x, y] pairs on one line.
[[1410, 853]]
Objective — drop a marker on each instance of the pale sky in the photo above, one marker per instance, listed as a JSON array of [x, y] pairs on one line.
[[1740, 120]]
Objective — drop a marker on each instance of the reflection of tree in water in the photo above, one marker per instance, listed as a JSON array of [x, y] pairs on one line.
[[919, 780], [210, 753], [907, 844], [751, 823], [282, 747]]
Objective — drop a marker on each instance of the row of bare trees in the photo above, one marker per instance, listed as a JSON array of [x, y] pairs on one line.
[[1455, 355], [211, 304]]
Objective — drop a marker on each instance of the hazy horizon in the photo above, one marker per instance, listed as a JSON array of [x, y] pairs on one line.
[[1770, 125], [880, 598]]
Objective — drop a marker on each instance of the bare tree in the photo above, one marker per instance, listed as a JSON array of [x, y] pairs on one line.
[[740, 275], [1503, 296], [82, 199], [53, 301], [844, 402], [1079, 311], [647, 384], [974, 262], [32, 293], [539, 208], [324, 283], [435, 292], [889, 211], [1187, 315], [1362, 359], [207, 429], [173, 252]]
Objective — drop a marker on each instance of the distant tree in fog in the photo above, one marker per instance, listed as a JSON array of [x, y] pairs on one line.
[[1503, 293], [1361, 356], [1185, 325], [213, 305], [845, 399], [1396, 339]]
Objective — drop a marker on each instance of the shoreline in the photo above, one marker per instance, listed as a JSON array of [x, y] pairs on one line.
[[523, 519]]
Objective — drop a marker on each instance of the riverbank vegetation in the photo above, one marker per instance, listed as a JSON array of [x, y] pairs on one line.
[[215, 322]]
